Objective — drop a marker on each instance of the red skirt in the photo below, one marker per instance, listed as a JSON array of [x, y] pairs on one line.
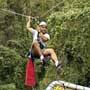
[[30, 79]]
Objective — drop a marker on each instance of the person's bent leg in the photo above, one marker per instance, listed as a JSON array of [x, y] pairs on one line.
[[53, 55], [37, 50]]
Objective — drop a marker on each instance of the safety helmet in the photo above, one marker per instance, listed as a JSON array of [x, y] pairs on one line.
[[43, 23]]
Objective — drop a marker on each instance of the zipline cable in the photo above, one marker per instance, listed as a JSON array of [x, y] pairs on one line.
[[23, 15]]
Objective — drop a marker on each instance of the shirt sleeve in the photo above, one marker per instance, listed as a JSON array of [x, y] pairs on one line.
[[47, 36], [33, 31], [34, 34]]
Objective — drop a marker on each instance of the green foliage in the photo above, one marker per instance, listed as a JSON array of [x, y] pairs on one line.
[[14, 44], [8, 87], [9, 59], [71, 32], [68, 24], [12, 67]]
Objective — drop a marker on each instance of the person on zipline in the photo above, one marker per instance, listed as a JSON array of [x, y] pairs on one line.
[[40, 37]]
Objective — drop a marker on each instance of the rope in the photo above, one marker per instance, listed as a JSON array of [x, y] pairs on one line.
[[23, 15]]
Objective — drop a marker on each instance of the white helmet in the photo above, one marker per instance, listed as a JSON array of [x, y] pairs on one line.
[[43, 23]]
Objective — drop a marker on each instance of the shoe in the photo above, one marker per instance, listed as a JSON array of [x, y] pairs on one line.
[[28, 54]]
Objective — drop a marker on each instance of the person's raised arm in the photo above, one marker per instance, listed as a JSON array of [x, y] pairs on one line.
[[29, 25]]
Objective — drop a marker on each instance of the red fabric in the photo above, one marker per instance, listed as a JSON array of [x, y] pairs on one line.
[[30, 79]]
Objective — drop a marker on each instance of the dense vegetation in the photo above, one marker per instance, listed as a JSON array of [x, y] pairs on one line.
[[69, 27]]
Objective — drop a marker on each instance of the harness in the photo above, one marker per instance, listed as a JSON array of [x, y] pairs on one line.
[[42, 46], [41, 43]]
